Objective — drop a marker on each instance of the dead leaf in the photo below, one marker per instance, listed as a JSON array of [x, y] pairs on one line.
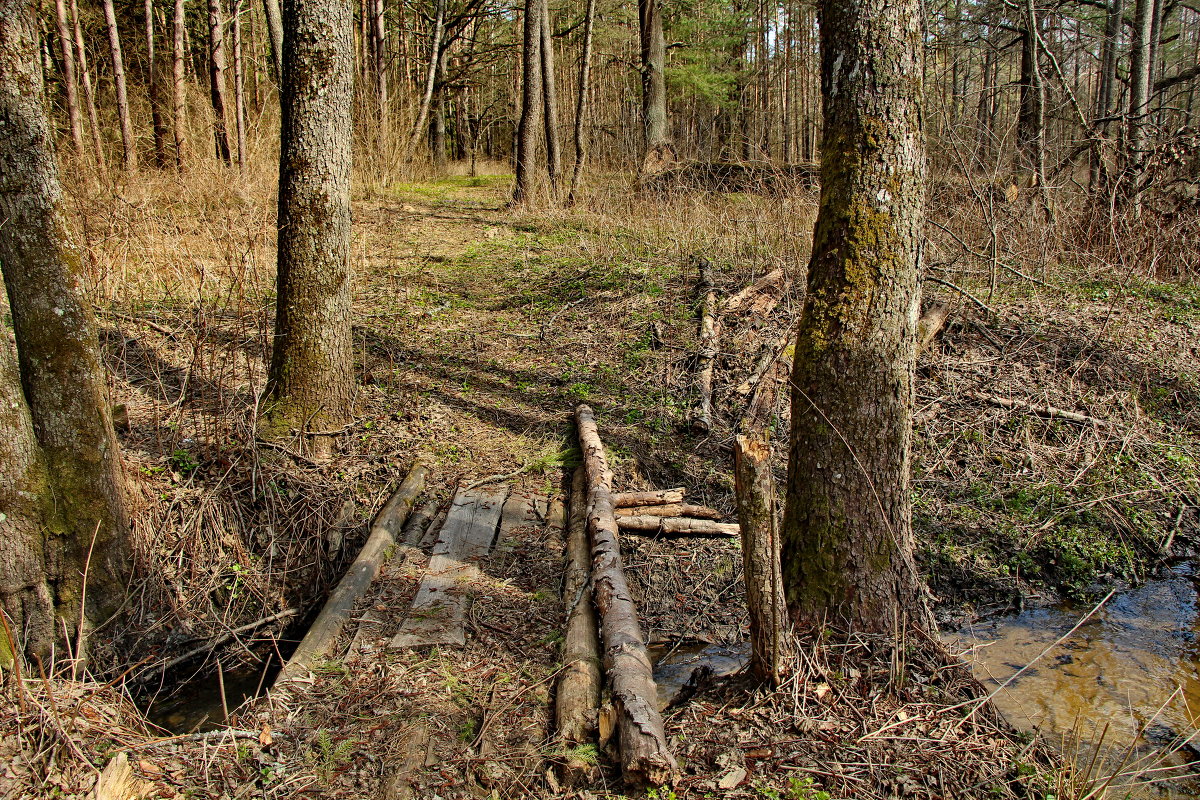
[[264, 738], [732, 778]]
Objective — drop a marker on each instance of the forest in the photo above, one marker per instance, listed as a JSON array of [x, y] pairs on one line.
[[790, 400]]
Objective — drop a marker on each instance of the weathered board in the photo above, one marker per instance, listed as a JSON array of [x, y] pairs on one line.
[[467, 536]]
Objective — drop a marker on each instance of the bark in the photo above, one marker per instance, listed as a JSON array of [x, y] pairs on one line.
[[847, 532], [1031, 134], [657, 144], [89, 93], [311, 380], [275, 34], [585, 71], [154, 90], [550, 92], [25, 595], [69, 81], [532, 109], [114, 43], [178, 87], [239, 85], [1104, 93], [578, 696], [380, 37], [216, 79], [59, 359], [670, 510], [758, 516], [645, 757]]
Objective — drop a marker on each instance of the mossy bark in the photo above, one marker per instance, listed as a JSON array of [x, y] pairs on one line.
[[847, 534], [59, 360], [311, 382]]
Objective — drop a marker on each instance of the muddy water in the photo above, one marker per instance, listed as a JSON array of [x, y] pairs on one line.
[[198, 706], [1129, 674]]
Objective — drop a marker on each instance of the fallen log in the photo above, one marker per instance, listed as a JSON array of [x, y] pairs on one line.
[[1041, 411], [645, 757], [678, 526], [710, 332], [323, 635], [669, 510], [765, 294], [578, 693], [654, 498]]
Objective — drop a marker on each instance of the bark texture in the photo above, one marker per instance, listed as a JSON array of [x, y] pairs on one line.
[[847, 532], [25, 595], [311, 381], [645, 757], [654, 85], [757, 513], [61, 373], [275, 33]]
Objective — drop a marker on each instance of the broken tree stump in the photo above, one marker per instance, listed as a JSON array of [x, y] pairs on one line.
[[645, 757], [438, 611], [578, 696], [323, 634]]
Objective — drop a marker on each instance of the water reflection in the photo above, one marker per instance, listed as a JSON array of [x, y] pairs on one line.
[[1131, 667]]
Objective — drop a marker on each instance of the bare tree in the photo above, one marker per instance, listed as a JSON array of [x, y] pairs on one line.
[[585, 69], [89, 93], [550, 90], [532, 99], [178, 87], [70, 84], [216, 78], [239, 84], [114, 42], [154, 89], [657, 138]]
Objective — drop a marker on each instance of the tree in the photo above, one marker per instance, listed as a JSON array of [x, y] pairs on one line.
[[154, 89], [585, 71], [114, 42], [311, 381], [85, 530], [550, 92], [847, 531], [69, 82], [178, 89], [216, 79], [657, 141], [532, 99]]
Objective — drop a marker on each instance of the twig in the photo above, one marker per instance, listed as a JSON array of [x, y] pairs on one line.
[[212, 644], [1041, 411], [498, 478], [961, 291], [154, 326]]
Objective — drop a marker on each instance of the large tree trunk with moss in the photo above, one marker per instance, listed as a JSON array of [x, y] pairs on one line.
[[311, 381], [847, 532], [25, 595], [61, 373]]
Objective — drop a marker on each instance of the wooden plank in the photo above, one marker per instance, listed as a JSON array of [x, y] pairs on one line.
[[439, 609]]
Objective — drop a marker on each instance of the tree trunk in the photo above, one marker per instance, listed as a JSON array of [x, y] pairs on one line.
[[239, 85], [1104, 92], [657, 144], [1139, 95], [89, 93], [114, 41], [178, 88], [61, 372], [585, 69], [275, 33], [847, 532], [25, 595], [532, 98], [1031, 116], [216, 79], [381, 87], [550, 92], [69, 82], [439, 22], [154, 91], [311, 382]]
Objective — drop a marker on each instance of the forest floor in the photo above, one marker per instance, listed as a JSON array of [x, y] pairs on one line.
[[478, 329]]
